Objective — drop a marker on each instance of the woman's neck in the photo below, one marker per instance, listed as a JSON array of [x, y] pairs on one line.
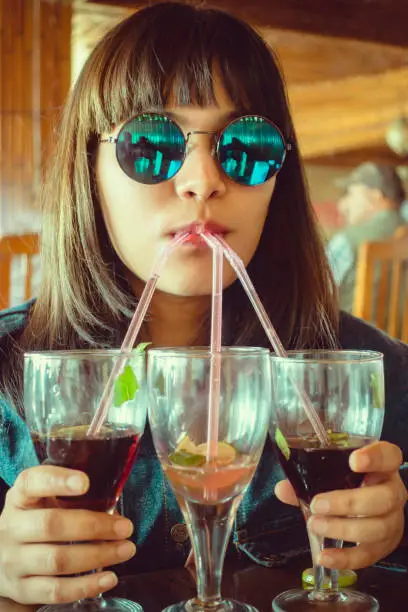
[[175, 320]]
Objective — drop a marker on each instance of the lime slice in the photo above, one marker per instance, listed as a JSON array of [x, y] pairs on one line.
[[187, 446], [346, 578], [226, 453], [188, 453], [282, 444]]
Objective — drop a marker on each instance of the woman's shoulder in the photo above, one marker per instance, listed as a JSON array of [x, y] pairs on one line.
[[357, 334], [14, 319]]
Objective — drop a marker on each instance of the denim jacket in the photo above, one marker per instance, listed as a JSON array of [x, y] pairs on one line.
[[265, 530]]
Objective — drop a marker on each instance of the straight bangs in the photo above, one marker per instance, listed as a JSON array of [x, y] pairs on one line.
[[171, 54]]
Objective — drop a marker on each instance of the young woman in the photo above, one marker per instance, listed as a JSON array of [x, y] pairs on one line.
[[179, 73]]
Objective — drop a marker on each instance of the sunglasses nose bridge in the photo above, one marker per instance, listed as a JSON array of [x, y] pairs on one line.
[[214, 139]]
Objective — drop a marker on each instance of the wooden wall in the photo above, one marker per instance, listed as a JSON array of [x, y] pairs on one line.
[[35, 49]]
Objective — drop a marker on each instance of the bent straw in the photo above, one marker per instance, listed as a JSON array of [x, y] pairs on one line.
[[132, 332], [215, 365], [240, 270]]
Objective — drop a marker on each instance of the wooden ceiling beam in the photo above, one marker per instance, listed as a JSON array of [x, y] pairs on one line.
[[348, 114], [381, 21]]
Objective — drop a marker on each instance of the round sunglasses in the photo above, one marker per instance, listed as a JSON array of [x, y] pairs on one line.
[[151, 148]]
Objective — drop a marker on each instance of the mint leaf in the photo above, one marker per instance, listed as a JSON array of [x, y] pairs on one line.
[[282, 444], [142, 347], [126, 386], [126, 383], [186, 459]]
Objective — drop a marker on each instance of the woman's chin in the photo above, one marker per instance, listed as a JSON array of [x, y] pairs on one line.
[[186, 284], [183, 289]]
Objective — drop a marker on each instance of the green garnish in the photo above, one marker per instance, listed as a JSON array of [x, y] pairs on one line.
[[126, 386], [340, 439], [337, 437], [126, 383], [141, 347], [282, 444], [186, 459], [378, 394]]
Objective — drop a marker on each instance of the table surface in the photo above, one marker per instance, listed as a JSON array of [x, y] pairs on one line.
[[245, 582]]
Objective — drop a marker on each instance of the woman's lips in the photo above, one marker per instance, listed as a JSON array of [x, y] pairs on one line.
[[197, 227]]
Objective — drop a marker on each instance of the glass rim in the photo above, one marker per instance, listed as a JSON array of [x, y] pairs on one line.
[[83, 354], [329, 356], [201, 352]]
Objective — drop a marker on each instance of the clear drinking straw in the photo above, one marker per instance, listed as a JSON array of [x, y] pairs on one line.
[[215, 364], [133, 331], [218, 244], [240, 270]]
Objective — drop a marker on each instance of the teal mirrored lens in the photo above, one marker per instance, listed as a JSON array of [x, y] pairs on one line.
[[150, 148], [251, 150]]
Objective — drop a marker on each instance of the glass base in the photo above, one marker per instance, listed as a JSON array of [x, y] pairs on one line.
[[110, 604], [298, 600], [226, 605]]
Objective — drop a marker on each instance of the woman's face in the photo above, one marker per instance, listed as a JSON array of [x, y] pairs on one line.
[[141, 219]]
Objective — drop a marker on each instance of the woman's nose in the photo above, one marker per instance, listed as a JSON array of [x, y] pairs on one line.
[[200, 177]]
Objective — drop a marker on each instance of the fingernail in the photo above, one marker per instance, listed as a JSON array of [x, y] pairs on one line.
[[123, 528], [320, 506], [126, 550], [318, 525], [108, 581], [76, 483], [359, 462], [325, 560]]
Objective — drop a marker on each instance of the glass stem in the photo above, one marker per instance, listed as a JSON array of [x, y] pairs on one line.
[[90, 600], [209, 529], [326, 580]]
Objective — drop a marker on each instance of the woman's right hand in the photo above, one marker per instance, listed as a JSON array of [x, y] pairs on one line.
[[36, 551]]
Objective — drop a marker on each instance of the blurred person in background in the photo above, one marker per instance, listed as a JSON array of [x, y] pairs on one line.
[[371, 207]]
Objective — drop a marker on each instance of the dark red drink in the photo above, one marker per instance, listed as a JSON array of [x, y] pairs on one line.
[[107, 459], [312, 469]]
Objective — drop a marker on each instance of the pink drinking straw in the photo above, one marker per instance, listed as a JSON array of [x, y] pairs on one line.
[[133, 331], [240, 270], [215, 365]]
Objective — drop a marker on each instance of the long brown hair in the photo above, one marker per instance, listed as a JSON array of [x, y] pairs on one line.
[[170, 50]]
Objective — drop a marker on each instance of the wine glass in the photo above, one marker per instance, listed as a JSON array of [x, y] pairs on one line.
[[346, 388], [62, 392], [209, 488]]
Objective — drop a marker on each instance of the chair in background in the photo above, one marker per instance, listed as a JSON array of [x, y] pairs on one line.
[[381, 294], [26, 246]]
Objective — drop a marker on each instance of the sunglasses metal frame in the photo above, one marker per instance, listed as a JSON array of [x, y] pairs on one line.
[[214, 152]]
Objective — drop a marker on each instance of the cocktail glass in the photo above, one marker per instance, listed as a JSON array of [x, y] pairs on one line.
[[209, 491], [62, 392], [347, 390]]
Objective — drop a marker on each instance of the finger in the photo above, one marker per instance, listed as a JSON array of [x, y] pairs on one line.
[[376, 457], [57, 560], [362, 530], [286, 493], [367, 501], [48, 590], [34, 484], [376, 478], [355, 557], [60, 525]]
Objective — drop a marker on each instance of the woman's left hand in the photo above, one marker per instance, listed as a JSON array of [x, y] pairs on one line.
[[372, 515]]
